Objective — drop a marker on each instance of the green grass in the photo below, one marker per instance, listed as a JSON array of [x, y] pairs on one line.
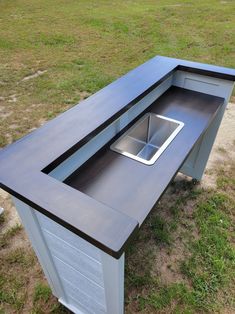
[[161, 230], [85, 45], [14, 271], [20, 257], [44, 302], [41, 292], [210, 267], [206, 270], [223, 182], [164, 296], [21, 281], [212, 263]]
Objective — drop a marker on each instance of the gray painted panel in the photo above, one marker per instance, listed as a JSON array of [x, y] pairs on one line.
[[77, 305], [113, 270], [86, 301], [195, 164], [196, 84], [76, 309], [191, 160], [69, 237], [33, 230], [203, 84], [89, 287], [87, 266]]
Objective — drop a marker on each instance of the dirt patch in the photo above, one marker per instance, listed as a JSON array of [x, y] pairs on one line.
[[12, 98], [167, 264], [4, 115], [13, 126], [9, 211], [83, 95], [224, 143], [34, 75], [223, 149]]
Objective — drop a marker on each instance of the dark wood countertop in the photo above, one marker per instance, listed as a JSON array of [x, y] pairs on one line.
[[22, 163], [132, 187]]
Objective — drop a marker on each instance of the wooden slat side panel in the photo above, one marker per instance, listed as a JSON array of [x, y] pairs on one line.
[[80, 297], [89, 287], [74, 303], [69, 237], [86, 265]]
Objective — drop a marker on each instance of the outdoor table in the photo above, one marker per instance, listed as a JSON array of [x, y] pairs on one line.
[[84, 183]]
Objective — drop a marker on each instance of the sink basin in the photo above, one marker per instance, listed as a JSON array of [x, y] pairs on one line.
[[146, 140]]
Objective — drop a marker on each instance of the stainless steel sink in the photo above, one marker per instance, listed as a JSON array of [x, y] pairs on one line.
[[147, 138]]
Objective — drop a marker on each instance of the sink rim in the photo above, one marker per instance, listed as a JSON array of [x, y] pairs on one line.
[[161, 149]]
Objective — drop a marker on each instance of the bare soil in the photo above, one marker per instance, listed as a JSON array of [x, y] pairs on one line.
[[224, 147]]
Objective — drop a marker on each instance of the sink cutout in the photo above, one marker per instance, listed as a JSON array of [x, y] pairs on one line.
[[146, 140]]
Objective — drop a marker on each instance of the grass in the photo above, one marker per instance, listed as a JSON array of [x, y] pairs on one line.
[[6, 236], [44, 302], [14, 278], [164, 296], [183, 258], [2, 218], [41, 292], [205, 271], [160, 230], [225, 182], [83, 46], [212, 262], [22, 282]]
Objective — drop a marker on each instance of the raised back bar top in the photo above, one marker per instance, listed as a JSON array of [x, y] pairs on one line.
[[22, 163]]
